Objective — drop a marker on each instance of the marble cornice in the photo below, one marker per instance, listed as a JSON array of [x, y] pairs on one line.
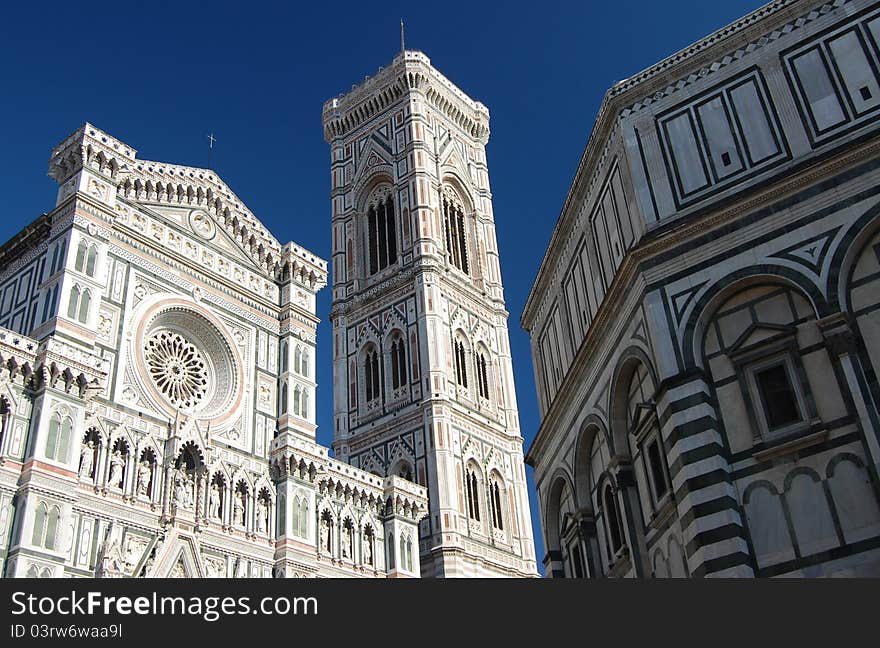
[[656, 243]]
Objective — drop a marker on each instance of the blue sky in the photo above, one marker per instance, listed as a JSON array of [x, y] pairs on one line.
[[162, 75]]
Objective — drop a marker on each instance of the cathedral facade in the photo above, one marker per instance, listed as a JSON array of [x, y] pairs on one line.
[[705, 323], [423, 381], [157, 395]]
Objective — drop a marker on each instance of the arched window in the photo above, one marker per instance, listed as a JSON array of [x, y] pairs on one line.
[[461, 373], [472, 487], [296, 392], [382, 234], [58, 438], [45, 526], [304, 363], [81, 251], [390, 544], [283, 400], [406, 552], [86, 258], [612, 520], [456, 233], [73, 302], [85, 302], [482, 375], [40, 519], [91, 260], [52, 528], [297, 359], [301, 517], [495, 504], [284, 353], [304, 403], [371, 374], [79, 303], [398, 363]]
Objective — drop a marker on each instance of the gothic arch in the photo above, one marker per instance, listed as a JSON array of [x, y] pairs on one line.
[[367, 184], [712, 298], [458, 186], [191, 454]]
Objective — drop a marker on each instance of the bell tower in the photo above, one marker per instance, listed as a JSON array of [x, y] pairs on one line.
[[423, 382]]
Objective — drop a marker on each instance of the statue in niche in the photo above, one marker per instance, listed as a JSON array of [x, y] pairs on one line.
[[325, 534], [145, 476], [348, 541], [262, 516], [238, 509], [182, 491], [87, 460], [216, 501], [368, 550], [117, 469]]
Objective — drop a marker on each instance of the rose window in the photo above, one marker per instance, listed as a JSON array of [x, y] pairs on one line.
[[176, 368]]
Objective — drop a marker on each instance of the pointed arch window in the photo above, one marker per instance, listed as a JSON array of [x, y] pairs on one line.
[[79, 303], [86, 258], [482, 375], [301, 517], [45, 526], [406, 552], [285, 349], [304, 362], [495, 504], [283, 400], [461, 374], [371, 374], [58, 438], [398, 363], [81, 251], [472, 487], [301, 401], [456, 234], [382, 234]]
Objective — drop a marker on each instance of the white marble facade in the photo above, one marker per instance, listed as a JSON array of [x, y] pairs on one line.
[[704, 323], [423, 381], [158, 391]]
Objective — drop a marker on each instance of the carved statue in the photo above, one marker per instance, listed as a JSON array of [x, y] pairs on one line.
[[87, 460], [117, 469], [145, 476], [216, 501], [325, 534], [368, 550], [347, 543], [112, 563], [238, 509], [262, 516], [182, 489]]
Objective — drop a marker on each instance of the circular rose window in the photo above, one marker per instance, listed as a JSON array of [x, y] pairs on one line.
[[187, 360], [176, 368]]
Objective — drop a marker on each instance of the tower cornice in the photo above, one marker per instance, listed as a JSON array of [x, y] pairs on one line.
[[410, 72]]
